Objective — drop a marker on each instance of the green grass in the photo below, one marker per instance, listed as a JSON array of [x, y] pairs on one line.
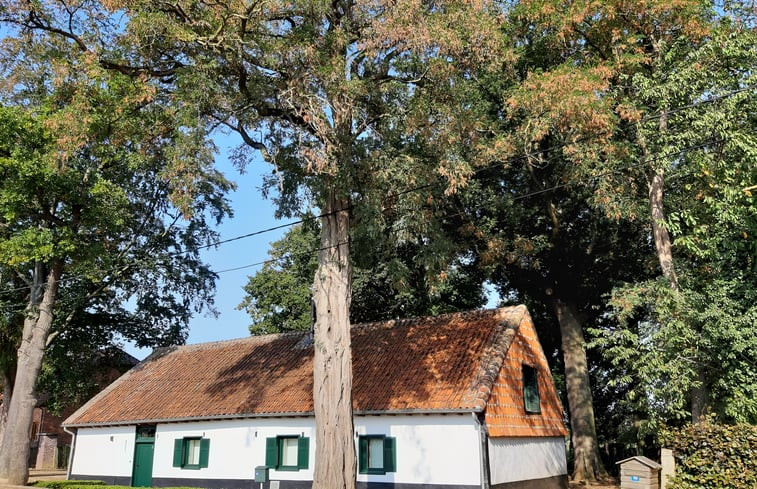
[[58, 484]]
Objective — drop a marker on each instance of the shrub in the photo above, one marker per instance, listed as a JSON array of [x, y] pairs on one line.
[[713, 456]]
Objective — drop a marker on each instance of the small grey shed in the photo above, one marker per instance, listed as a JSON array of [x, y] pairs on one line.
[[639, 473]]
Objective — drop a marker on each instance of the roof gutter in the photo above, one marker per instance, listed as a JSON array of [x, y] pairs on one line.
[[303, 414]]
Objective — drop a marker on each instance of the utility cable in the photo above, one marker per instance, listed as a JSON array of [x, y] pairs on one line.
[[515, 198], [512, 159], [430, 185]]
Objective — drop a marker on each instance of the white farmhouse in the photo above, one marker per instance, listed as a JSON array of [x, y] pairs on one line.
[[456, 401]]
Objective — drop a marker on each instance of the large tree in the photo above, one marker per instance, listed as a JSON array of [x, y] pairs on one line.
[[101, 214], [308, 84], [384, 287], [567, 118], [692, 329], [602, 100]]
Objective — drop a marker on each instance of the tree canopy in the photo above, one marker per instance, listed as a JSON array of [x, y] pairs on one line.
[[595, 159], [278, 297], [101, 218]]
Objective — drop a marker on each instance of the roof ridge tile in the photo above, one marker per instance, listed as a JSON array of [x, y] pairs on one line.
[[494, 356]]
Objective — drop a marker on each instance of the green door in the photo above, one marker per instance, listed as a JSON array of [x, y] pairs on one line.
[[142, 476]]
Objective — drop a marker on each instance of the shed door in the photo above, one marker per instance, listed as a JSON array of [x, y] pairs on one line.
[[142, 476]]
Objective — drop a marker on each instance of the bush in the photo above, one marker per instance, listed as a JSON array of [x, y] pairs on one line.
[[713, 456]]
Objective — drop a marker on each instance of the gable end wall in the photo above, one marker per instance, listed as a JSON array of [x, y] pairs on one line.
[[505, 411]]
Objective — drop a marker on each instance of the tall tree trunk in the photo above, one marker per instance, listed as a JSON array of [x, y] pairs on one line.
[[332, 363], [14, 453], [662, 242], [664, 248], [7, 395], [699, 395], [587, 462]]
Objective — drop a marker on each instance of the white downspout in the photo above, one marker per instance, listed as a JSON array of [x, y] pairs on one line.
[[483, 449], [70, 455]]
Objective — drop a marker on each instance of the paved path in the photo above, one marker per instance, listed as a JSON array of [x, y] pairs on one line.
[[46, 475], [37, 475]]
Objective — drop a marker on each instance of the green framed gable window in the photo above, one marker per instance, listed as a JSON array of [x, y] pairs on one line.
[[288, 452], [377, 454], [191, 453], [531, 399]]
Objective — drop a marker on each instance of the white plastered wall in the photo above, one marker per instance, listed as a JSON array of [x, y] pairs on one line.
[[236, 447], [431, 449], [104, 451], [519, 459]]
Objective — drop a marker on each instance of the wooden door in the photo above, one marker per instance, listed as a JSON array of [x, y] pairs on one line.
[[142, 476]]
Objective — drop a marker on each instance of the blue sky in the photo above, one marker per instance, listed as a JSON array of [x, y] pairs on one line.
[[251, 213]]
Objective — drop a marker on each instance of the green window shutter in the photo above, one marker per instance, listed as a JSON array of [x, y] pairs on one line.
[[390, 454], [363, 455], [531, 390], [178, 452], [204, 452], [271, 453], [303, 452]]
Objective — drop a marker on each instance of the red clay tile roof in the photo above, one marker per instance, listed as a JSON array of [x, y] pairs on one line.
[[444, 363]]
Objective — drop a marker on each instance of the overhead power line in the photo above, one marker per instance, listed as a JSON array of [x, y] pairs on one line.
[[517, 197], [512, 159], [408, 190]]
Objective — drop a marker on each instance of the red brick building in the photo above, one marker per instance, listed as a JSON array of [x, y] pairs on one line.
[[50, 443]]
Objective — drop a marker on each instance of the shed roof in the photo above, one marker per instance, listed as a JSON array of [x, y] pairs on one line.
[[447, 363], [642, 460]]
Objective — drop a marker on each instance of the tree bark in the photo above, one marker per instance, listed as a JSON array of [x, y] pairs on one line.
[[662, 242], [699, 396], [7, 396], [14, 453], [587, 462], [664, 248], [332, 363]]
